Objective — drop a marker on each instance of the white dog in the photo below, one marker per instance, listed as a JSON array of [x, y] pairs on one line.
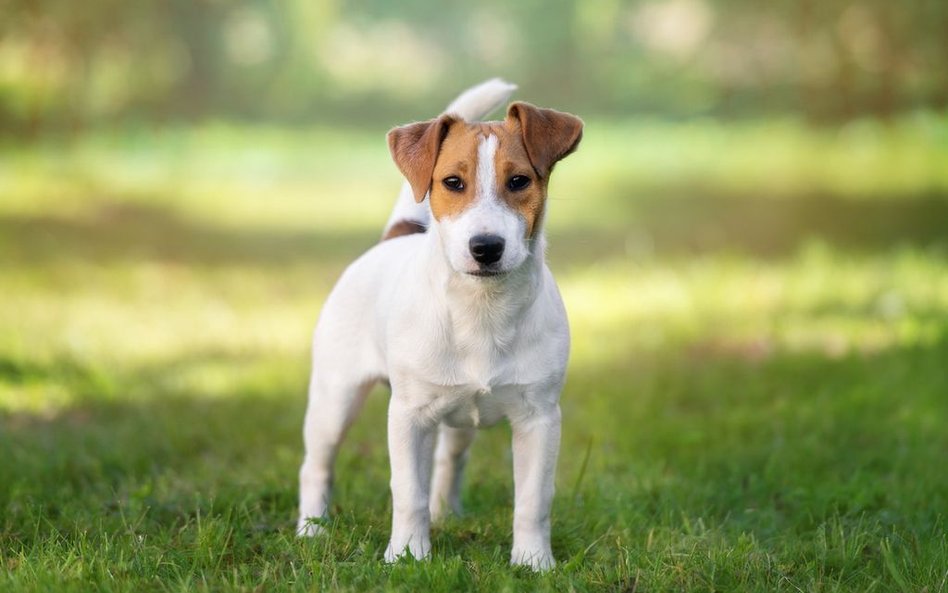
[[457, 310]]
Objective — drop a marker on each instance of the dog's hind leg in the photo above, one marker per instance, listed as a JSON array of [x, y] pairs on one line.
[[333, 405], [450, 458]]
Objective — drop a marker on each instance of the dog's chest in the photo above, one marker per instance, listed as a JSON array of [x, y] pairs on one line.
[[479, 356], [480, 381], [472, 361]]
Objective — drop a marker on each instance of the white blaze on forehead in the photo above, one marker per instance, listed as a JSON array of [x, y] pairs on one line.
[[487, 213], [486, 174]]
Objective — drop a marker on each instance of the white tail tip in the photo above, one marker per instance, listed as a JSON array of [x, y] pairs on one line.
[[479, 101]]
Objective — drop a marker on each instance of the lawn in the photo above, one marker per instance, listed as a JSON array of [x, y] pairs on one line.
[[757, 398]]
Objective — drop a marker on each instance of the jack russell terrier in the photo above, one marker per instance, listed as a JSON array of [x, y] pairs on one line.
[[457, 310]]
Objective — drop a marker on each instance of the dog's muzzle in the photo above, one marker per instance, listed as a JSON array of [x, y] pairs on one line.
[[487, 249]]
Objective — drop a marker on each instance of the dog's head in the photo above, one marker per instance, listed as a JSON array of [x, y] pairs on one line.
[[486, 181]]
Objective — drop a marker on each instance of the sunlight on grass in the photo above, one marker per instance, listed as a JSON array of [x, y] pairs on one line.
[[326, 178], [771, 158], [817, 301], [127, 316]]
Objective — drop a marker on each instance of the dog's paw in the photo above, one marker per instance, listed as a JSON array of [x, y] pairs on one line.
[[537, 560], [419, 549], [309, 527]]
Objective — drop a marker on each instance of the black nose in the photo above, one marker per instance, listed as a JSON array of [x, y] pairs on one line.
[[487, 249]]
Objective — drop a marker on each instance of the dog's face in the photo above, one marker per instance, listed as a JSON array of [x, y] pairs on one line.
[[487, 182]]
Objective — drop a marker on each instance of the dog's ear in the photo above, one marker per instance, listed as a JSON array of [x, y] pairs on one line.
[[415, 149], [548, 135]]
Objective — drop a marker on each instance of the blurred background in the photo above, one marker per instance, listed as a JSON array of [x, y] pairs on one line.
[[67, 66], [752, 242]]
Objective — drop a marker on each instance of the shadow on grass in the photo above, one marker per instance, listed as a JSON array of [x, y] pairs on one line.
[[135, 232], [682, 224], [669, 224]]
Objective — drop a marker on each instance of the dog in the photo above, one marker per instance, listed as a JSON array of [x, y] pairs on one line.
[[456, 309]]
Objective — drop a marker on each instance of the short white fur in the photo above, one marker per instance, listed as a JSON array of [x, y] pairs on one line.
[[460, 352]]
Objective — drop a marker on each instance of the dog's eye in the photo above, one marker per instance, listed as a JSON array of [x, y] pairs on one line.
[[453, 183], [518, 182]]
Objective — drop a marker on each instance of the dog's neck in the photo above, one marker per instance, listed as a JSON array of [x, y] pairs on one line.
[[495, 304]]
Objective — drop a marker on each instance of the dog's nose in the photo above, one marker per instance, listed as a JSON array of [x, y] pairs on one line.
[[487, 249]]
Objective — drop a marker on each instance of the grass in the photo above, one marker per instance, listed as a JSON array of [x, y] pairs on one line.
[[756, 398]]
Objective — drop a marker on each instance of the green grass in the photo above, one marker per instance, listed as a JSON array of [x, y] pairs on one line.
[[757, 397]]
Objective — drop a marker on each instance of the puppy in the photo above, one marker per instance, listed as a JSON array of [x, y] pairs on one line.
[[457, 310]]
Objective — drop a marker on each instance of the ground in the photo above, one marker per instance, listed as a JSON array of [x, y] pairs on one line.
[[756, 399]]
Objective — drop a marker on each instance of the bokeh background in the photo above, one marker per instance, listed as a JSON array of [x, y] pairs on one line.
[[71, 66], [752, 242]]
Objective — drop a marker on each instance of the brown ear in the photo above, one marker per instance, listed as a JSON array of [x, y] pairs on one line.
[[415, 149], [547, 134]]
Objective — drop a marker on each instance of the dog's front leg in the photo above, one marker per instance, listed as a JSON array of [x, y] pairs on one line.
[[410, 449], [536, 443]]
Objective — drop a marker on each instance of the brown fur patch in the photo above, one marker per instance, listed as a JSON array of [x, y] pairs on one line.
[[529, 142], [415, 149], [458, 158], [548, 135], [402, 228], [511, 160]]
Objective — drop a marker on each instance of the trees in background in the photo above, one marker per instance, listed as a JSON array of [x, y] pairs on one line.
[[69, 65]]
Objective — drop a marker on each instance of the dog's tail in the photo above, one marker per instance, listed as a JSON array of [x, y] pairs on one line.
[[474, 104], [478, 102]]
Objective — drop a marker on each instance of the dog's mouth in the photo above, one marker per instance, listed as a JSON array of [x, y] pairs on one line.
[[488, 273]]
